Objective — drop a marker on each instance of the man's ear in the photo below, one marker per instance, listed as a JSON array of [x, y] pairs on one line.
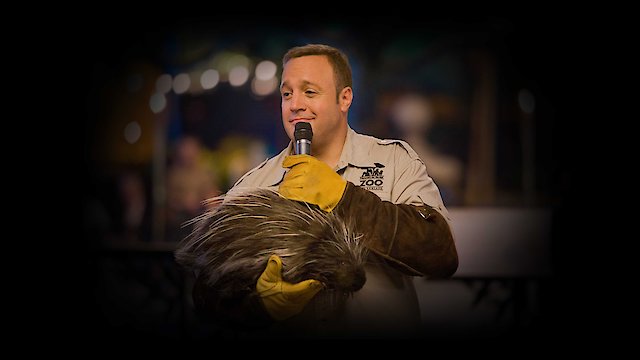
[[345, 98]]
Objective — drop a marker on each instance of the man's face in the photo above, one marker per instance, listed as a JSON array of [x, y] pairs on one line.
[[308, 93]]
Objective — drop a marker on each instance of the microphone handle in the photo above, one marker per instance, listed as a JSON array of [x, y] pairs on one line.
[[303, 146]]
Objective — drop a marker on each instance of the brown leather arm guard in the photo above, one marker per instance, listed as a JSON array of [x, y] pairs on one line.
[[417, 240]]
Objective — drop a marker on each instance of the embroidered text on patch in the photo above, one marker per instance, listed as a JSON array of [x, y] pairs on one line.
[[372, 178]]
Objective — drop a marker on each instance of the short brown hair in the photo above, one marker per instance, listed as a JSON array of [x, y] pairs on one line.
[[338, 60]]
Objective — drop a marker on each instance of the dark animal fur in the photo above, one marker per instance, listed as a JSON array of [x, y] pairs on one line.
[[231, 243]]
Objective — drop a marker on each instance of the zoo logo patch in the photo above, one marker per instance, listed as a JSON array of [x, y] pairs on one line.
[[372, 178]]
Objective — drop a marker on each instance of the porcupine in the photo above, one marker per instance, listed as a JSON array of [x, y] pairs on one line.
[[231, 243]]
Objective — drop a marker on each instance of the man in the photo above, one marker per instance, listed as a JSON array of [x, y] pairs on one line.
[[382, 184]]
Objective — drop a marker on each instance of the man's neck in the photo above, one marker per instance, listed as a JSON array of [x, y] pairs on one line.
[[330, 154]]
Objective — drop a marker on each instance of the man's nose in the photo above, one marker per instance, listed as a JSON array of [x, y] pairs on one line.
[[297, 102]]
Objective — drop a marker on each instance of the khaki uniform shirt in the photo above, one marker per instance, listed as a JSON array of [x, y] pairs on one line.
[[387, 304]]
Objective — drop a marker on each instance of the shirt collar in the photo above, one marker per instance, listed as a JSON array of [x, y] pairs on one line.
[[355, 151], [276, 176]]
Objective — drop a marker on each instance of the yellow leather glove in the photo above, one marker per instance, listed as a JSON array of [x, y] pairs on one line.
[[312, 181], [282, 299]]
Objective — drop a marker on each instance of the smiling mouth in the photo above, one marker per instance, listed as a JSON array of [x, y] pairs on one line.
[[297, 120]]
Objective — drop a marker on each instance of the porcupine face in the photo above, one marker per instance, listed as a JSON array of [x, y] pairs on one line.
[[232, 243], [336, 257]]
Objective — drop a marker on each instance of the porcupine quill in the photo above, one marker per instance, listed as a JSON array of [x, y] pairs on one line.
[[231, 243]]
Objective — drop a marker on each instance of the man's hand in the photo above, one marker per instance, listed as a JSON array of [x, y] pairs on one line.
[[311, 180], [282, 299]]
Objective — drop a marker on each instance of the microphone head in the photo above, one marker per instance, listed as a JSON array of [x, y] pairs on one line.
[[303, 131]]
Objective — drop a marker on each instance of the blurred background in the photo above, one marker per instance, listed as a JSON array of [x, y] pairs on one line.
[[177, 111]]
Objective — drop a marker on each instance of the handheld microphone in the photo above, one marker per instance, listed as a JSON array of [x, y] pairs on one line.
[[302, 136]]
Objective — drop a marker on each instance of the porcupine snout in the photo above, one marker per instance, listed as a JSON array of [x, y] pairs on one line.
[[336, 256], [351, 278]]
